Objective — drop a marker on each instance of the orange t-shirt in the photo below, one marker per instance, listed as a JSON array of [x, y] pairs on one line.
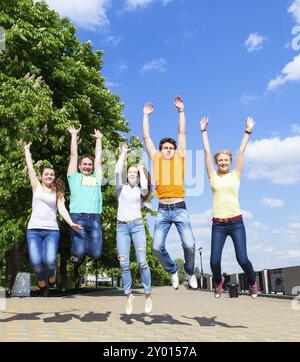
[[169, 176]]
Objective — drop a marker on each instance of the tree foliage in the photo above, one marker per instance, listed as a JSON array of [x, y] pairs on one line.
[[49, 79]]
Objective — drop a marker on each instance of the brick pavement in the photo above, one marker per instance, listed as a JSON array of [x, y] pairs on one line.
[[178, 316]]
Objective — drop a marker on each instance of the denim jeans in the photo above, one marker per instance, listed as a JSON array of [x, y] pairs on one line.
[[42, 248], [134, 231], [89, 240], [236, 230], [165, 218]]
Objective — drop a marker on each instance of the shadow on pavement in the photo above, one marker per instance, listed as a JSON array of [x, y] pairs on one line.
[[151, 319], [59, 317], [211, 322]]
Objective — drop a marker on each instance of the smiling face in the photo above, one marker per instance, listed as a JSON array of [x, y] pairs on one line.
[[86, 166], [133, 175], [223, 162], [167, 151], [48, 177]]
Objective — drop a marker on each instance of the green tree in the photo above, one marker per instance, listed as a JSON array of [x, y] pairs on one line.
[[48, 79]]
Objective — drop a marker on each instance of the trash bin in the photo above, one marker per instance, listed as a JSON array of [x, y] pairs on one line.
[[233, 290]]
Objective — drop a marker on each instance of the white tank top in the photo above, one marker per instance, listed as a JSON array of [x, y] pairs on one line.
[[44, 210]]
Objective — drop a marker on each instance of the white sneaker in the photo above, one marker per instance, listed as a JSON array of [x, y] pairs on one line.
[[175, 280], [129, 304], [148, 305], [192, 280]]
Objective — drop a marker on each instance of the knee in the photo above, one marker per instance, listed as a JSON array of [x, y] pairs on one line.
[[143, 265], [124, 263]]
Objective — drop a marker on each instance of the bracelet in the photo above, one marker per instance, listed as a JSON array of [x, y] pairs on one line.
[[204, 130], [180, 111], [248, 132]]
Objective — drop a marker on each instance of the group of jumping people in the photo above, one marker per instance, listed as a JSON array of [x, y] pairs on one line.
[[133, 188]]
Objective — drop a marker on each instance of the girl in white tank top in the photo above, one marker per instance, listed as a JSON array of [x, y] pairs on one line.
[[43, 230]]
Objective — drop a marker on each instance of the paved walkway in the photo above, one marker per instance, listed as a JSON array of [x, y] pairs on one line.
[[178, 316]]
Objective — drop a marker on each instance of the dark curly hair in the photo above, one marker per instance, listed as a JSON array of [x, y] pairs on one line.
[[167, 140]]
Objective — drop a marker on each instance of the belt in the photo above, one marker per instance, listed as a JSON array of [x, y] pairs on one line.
[[128, 222], [179, 205], [227, 219]]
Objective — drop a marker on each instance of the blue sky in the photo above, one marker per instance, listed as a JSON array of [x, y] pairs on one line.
[[228, 60]]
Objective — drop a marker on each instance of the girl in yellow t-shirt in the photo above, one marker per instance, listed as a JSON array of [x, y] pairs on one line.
[[227, 217]]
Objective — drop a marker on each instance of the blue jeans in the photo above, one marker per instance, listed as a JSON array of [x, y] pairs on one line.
[[42, 248], [134, 231], [236, 230], [165, 218], [89, 240]]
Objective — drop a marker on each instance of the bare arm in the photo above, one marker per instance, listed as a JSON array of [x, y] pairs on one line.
[[143, 180], [240, 157], [65, 215], [148, 109], [31, 172], [98, 153], [178, 102], [120, 164], [74, 154], [208, 157]]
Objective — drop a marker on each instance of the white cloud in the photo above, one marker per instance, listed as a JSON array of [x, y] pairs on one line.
[[254, 42], [290, 73], [268, 201], [158, 65], [294, 9], [132, 5], [89, 14], [274, 159]]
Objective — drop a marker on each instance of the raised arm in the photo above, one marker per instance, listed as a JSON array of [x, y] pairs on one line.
[[240, 157], [31, 172], [61, 207], [143, 180], [208, 157], [148, 109], [74, 155], [98, 153], [178, 103], [120, 164]]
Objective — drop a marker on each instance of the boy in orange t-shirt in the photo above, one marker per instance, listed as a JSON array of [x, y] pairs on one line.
[[168, 166]]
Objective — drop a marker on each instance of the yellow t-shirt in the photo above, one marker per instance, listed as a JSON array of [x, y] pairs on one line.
[[169, 176], [225, 195]]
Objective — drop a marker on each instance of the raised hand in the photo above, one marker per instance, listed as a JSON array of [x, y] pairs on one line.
[[204, 123], [148, 108], [73, 130], [97, 134], [178, 103], [249, 123], [27, 145]]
